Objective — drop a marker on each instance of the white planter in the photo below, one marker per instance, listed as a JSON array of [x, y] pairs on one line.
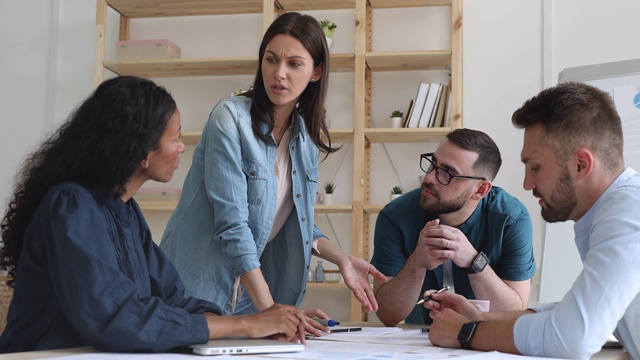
[[329, 42], [396, 122], [394, 196], [327, 199]]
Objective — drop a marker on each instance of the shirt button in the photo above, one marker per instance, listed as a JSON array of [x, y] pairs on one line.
[[298, 196], [253, 173], [295, 172], [304, 219], [293, 147], [307, 243]]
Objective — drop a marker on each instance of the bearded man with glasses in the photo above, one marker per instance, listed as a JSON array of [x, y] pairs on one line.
[[456, 230]]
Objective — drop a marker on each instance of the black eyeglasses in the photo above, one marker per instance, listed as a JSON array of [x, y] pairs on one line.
[[443, 175]]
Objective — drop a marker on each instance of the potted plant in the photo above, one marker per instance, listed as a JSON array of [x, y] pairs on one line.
[[396, 119], [329, 28], [396, 191], [328, 193]]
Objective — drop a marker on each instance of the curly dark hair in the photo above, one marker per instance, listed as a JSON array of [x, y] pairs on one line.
[[307, 30], [101, 145]]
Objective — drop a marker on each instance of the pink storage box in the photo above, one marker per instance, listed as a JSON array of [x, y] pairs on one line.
[[147, 49], [157, 194]]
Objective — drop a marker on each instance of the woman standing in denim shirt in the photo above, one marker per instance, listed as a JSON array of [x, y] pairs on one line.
[[243, 233]]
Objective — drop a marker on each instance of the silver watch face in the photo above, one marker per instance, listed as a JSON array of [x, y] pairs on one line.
[[480, 262]]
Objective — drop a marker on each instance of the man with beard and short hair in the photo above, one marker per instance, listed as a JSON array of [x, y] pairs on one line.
[[573, 157], [455, 230]]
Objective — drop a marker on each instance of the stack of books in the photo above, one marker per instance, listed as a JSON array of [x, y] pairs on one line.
[[430, 108]]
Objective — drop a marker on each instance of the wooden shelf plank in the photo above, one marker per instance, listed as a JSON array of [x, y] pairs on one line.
[[332, 209], [408, 60], [340, 135], [382, 4], [373, 209], [184, 67], [326, 285], [245, 65], [166, 8], [191, 137], [403, 135], [158, 205], [307, 5]]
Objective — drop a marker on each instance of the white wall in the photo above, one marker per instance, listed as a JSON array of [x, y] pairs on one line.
[[511, 51], [502, 68], [24, 81]]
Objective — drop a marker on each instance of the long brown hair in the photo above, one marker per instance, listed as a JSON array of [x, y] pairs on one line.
[[311, 104]]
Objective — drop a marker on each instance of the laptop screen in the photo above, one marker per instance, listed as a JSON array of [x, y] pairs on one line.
[[245, 346]]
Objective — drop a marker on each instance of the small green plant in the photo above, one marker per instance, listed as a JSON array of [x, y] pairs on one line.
[[328, 27], [396, 190], [329, 187], [396, 113]]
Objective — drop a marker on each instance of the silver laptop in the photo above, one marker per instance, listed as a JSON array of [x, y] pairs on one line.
[[245, 346]]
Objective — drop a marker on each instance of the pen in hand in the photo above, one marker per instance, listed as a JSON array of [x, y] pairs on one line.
[[429, 296]]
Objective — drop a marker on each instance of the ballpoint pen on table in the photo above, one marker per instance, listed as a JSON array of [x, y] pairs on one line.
[[348, 329], [429, 296]]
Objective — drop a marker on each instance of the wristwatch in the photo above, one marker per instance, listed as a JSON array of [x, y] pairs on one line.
[[466, 334], [478, 264]]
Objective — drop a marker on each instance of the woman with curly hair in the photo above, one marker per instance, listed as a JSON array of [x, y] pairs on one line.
[[79, 252]]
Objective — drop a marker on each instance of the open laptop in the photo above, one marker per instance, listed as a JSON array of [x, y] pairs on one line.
[[245, 346]]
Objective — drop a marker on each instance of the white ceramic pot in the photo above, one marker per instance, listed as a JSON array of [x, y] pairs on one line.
[[394, 196], [329, 42], [396, 122], [327, 199]]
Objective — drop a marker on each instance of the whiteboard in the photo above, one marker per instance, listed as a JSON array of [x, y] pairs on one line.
[[561, 263]]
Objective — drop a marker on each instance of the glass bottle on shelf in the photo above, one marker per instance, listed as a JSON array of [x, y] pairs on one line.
[[319, 272]]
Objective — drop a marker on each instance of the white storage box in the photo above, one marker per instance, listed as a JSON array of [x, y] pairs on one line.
[[147, 49]]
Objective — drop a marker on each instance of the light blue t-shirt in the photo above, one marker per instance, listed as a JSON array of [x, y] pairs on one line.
[[606, 295]]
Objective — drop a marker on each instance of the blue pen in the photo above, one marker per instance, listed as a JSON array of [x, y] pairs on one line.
[[327, 322]]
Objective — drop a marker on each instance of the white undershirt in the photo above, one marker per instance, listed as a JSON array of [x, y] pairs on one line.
[[282, 169]]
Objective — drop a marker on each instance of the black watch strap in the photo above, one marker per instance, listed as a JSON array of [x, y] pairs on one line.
[[466, 334], [478, 264]]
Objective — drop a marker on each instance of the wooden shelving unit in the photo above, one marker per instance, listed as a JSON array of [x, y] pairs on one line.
[[362, 62]]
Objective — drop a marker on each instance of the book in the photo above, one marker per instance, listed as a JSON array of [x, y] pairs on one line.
[[421, 97], [436, 106], [409, 110], [429, 105], [446, 119], [438, 119]]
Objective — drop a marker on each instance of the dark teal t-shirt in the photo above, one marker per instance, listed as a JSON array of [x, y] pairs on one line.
[[500, 227]]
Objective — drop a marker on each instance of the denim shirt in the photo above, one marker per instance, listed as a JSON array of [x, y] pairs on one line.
[[90, 275], [222, 223]]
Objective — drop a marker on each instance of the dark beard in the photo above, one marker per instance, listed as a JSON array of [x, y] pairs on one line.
[[562, 200], [442, 207]]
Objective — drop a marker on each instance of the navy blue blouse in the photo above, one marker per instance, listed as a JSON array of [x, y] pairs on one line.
[[90, 274]]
